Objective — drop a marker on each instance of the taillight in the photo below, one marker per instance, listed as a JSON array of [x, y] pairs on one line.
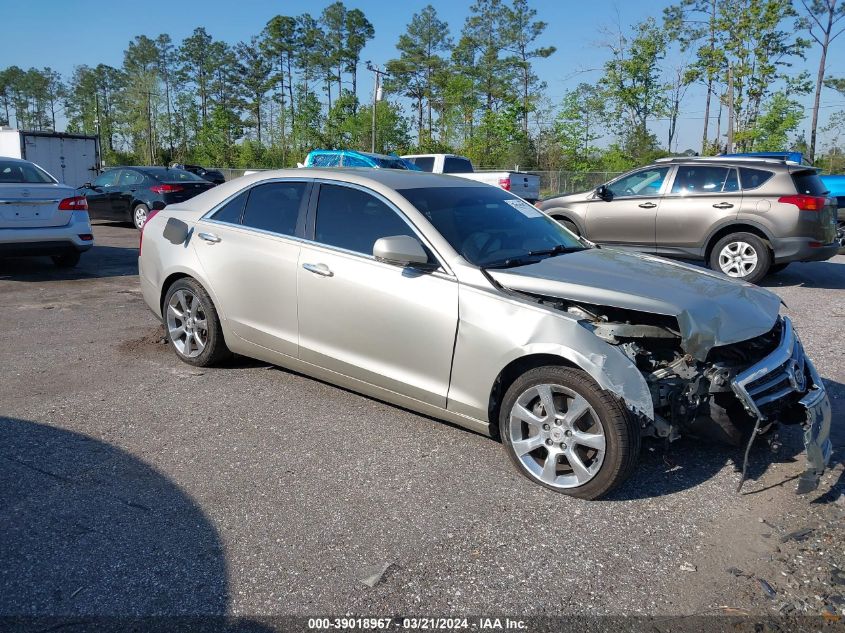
[[150, 215], [77, 203], [166, 188], [805, 203], [505, 183]]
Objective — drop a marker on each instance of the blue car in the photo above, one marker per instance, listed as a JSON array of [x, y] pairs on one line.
[[353, 158]]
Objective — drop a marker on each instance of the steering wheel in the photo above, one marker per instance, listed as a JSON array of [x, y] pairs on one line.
[[478, 252]]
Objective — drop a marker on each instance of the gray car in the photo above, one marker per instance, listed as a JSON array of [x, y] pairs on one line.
[[461, 301], [743, 217]]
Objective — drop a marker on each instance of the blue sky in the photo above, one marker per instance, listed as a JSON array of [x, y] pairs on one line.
[[65, 33]]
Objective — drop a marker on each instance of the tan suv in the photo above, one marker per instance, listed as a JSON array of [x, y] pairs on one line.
[[744, 217]]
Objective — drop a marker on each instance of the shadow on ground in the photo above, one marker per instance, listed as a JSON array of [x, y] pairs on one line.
[[96, 263]]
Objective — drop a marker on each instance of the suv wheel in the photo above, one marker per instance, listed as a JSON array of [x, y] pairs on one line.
[[563, 431], [741, 256]]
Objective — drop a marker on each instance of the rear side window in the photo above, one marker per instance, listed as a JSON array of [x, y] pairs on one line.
[[353, 219], [129, 177], [753, 178], [231, 211], [455, 165], [107, 179], [426, 163], [809, 183], [692, 179], [274, 207]]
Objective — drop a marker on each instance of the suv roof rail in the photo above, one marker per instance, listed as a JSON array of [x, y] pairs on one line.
[[724, 159]]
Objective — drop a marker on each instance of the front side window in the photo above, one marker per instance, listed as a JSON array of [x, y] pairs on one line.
[[645, 182], [353, 219], [694, 179], [274, 207]]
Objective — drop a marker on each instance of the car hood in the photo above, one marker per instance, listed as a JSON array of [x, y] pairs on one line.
[[711, 310]]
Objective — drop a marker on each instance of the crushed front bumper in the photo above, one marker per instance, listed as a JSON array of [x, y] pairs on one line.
[[783, 375]]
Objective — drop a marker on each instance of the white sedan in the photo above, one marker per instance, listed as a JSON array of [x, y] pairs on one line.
[[40, 216]]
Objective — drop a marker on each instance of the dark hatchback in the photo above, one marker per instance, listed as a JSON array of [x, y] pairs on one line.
[[130, 193]]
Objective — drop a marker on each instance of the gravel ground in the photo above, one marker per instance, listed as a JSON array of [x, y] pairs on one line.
[[131, 483]]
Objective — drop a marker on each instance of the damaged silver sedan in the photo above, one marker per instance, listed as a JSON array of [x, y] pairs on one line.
[[463, 302]]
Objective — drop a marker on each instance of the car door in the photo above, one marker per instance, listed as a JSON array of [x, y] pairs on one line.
[[249, 252], [627, 217], [128, 184], [386, 325], [699, 198], [98, 195]]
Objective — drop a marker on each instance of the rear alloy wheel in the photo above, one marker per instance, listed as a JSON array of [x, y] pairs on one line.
[[741, 256], [564, 432], [66, 260], [139, 216], [193, 327]]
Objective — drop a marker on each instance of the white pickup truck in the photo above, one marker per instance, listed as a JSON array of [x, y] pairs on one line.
[[526, 186]]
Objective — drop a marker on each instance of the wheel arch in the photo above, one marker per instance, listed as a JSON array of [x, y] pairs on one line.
[[561, 213], [736, 227]]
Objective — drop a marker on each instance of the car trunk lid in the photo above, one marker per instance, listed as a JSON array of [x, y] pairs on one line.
[[31, 205]]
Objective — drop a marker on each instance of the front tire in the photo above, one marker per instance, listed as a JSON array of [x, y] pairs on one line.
[[193, 327], [563, 431], [139, 216], [570, 225], [741, 256]]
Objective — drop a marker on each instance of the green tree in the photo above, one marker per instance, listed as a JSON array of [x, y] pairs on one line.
[[578, 126], [778, 121], [254, 71], [520, 31], [820, 19], [359, 30]]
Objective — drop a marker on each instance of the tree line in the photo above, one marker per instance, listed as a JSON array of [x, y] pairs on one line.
[[293, 87]]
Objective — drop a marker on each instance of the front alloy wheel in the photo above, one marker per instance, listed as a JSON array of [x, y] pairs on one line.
[[564, 432]]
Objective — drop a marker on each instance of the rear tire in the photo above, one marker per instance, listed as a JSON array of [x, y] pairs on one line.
[[585, 447], [742, 256], [139, 215], [66, 260], [193, 327]]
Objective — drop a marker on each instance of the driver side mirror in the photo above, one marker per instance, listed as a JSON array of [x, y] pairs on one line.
[[604, 193], [400, 250]]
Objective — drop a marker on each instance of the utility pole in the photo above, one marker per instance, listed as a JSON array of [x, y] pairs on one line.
[[97, 127], [730, 110], [377, 95]]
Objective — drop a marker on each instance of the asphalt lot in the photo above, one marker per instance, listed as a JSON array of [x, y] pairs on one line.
[[131, 483]]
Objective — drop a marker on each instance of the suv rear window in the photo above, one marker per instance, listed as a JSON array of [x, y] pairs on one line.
[[753, 178], [809, 183]]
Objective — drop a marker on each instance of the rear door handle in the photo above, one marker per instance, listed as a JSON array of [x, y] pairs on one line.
[[723, 205], [647, 205], [211, 238], [318, 269]]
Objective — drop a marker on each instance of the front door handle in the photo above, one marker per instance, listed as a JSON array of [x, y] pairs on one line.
[[211, 238], [723, 205], [318, 269], [647, 205]]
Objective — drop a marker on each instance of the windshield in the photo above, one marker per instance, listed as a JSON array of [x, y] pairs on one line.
[[490, 227], [165, 174], [13, 171]]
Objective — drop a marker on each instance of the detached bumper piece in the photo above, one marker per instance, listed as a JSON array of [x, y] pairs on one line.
[[786, 383]]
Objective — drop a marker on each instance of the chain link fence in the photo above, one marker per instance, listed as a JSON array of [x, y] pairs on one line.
[[551, 182]]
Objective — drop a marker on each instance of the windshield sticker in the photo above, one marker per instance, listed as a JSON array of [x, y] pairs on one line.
[[524, 208]]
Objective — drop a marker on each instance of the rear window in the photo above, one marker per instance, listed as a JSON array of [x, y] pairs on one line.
[[455, 165], [426, 163], [809, 183], [12, 171], [753, 178], [165, 174], [274, 207], [231, 211]]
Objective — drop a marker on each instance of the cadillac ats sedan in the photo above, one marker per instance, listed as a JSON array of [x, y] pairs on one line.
[[461, 301]]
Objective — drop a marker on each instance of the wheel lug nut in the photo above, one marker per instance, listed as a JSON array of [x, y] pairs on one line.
[[568, 433], [549, 442], [563, 445], [546, 427]]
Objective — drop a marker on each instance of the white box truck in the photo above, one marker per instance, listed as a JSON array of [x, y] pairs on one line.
[[73, 159]]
